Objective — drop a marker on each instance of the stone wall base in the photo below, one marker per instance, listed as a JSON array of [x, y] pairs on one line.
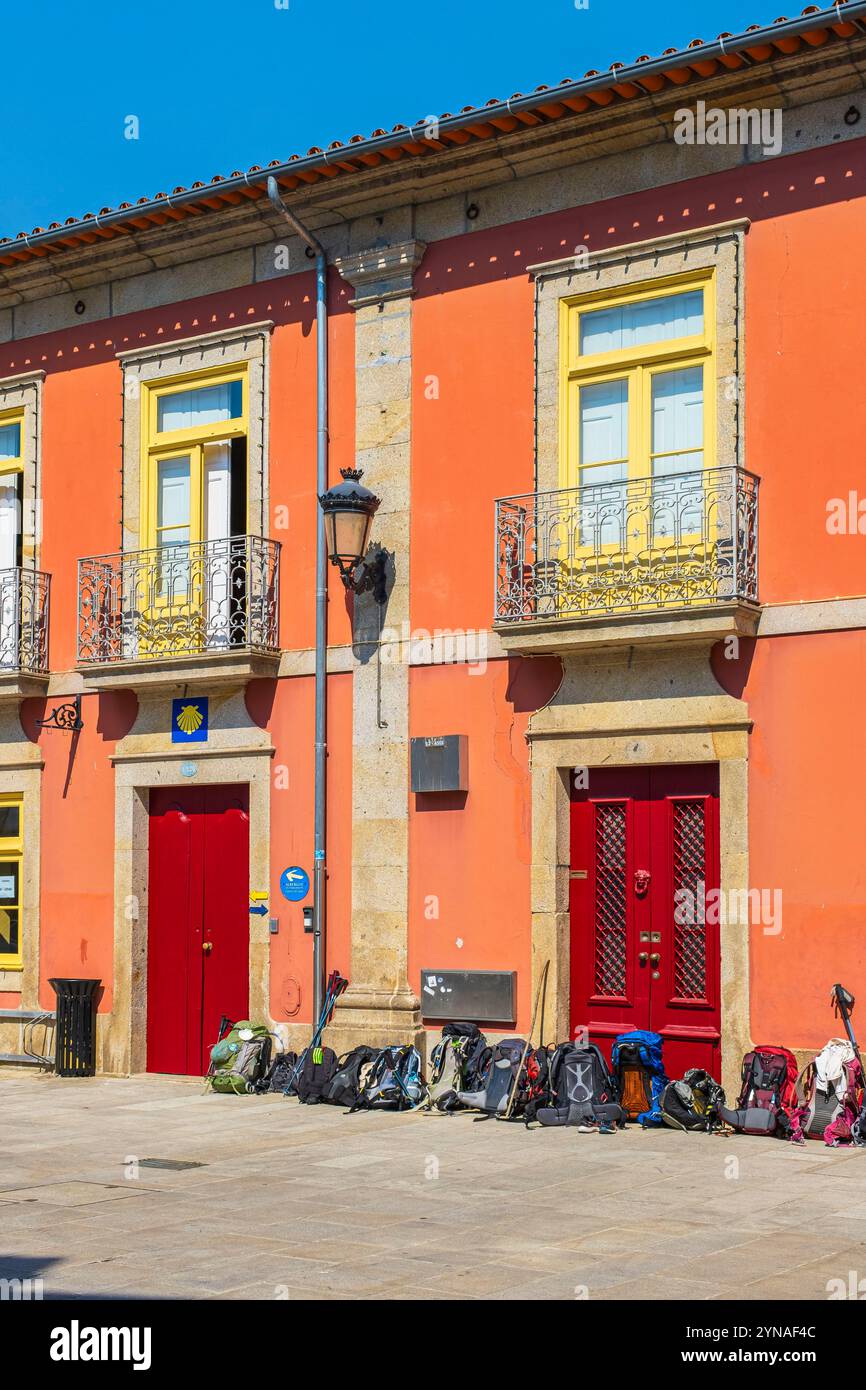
[[377, 1017]]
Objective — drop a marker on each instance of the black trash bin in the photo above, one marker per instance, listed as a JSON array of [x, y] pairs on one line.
[[75, 1053]]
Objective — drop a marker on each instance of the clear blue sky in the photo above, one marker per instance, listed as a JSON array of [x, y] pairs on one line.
[[219, 85]]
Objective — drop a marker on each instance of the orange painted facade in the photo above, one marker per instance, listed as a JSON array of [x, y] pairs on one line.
[[470, 855]]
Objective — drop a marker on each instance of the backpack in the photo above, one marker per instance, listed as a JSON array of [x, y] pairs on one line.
[[393, 1082], [456, 1063], [828, 1093], [503, 1073], [240, 1061], [345, 1085], [580, 1090], [281, 1073], [316, 1072], [692, 1103], [640, 1075], [534, 1084], [768, 1095]]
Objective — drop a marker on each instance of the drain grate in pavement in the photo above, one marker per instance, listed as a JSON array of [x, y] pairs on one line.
[[176, 1164]]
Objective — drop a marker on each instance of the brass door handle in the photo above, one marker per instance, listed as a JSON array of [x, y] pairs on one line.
[[207, 947], [655, 958], [643, 957]]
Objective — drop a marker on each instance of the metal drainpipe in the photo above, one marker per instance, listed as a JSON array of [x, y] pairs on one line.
[[320, 814]]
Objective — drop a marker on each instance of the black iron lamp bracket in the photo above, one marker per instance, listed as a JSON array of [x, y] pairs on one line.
[[66, 717], [371, 576]]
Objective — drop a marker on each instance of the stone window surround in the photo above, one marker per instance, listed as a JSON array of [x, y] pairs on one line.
[[630, 726], [718, 247], [26, 781], [248, 344], [24, 392], [122, 1033]]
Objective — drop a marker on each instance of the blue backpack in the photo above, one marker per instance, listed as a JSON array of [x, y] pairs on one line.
[[640, 1075]]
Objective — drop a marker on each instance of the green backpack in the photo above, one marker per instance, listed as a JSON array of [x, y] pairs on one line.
[[241, 1060]]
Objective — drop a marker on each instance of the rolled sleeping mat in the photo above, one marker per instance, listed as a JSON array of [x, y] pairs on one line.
[[750, 1120], [496, 1094], [581, 1114]]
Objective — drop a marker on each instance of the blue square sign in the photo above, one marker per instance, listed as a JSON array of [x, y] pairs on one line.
[[189, 720]]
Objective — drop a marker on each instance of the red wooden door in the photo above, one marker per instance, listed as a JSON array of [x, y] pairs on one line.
[[198, 922], [644, 942]]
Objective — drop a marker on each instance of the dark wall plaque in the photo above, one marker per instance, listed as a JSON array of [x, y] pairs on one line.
[[476, 996]]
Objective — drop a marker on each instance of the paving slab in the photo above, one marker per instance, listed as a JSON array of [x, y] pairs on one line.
[[298, 1203]]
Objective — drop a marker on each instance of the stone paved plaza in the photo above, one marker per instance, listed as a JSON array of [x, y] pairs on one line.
[[298, 1202]]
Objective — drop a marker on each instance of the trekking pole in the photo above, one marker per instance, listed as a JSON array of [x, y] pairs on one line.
[[539, 996], [843, 1003], [335, 987]]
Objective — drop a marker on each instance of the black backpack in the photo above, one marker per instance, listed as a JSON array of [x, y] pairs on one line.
[[476, 1051], [317, 1070], [280, 1074], [345, 1085], [581, 1089], [693, 1103]]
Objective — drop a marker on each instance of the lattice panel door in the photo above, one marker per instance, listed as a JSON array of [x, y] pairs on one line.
[[690, 888], [610, 900], [645, 948]]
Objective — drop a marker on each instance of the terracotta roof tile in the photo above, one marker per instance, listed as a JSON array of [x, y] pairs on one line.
[[462, 129]]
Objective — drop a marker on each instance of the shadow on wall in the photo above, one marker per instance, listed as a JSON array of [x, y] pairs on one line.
[[732, 672], [284, 299], [440, 801], [259, 699], [760, 191], [532, 682], [115, 711]]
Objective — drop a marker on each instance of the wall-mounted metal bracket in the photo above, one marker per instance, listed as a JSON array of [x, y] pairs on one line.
[[66, 717]]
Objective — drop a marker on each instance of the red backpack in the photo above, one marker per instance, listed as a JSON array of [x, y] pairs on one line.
[[768, 1096]]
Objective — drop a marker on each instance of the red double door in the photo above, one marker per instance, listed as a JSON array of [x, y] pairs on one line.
[[198, 922], [644, 939]]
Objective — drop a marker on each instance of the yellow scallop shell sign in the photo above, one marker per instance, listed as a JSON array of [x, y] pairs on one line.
[[189, 723]]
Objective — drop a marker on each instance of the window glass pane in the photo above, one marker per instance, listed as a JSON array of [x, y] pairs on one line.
[[201, 405], [173, 496], [604, 459], [9, 940], [678, 420], [8, 882], [603, 431], [9, 943], [678, 457], [636, 325], [10, 817], [10, 441]]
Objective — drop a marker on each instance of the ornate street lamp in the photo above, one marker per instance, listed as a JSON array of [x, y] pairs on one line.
[[348, 509]]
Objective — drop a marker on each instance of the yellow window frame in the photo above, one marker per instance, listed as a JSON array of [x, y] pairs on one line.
[[159, 445], [12, 849], [636, 366], [13, 417]]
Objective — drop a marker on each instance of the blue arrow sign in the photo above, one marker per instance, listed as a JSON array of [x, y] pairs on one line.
[[260, 910]]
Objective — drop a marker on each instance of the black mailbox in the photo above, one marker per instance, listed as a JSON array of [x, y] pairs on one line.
[[440, 763]]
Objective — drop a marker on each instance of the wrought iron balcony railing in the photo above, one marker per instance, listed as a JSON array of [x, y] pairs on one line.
[[675, 541], [181, 600], [24, 602]]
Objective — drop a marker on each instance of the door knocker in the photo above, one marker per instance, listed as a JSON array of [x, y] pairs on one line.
[[641, 882]]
